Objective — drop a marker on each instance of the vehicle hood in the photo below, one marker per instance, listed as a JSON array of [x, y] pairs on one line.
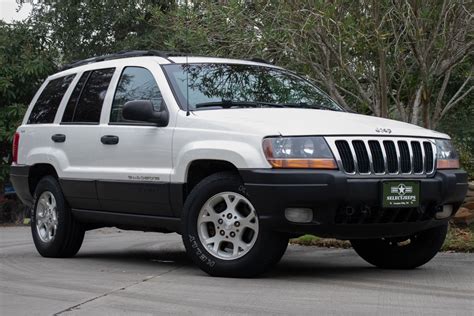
[[294, 122]]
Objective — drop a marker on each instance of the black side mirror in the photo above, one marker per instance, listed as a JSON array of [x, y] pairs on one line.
[[143, 111]]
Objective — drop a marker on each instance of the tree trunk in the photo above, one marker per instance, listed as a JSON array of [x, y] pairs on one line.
[[416, 106], [383, 84]]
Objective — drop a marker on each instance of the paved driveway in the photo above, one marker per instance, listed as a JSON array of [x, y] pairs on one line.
[[120, 272]]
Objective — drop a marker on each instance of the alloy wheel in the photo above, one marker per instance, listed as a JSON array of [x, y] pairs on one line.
[[46, 217], [227, 225]]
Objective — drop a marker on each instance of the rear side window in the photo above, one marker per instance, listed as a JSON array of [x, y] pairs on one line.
[[47, 105], [136, 83], [76, 93], [86, 101]]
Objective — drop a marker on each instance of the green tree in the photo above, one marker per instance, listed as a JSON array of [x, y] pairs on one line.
[[82, 29], [388, 58], [24, 64]]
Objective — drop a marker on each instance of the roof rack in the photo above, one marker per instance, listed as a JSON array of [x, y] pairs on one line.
[[261, 60], [124, 54]]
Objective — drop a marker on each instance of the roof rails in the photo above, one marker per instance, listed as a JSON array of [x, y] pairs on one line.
[[124, 54], [261, 60]]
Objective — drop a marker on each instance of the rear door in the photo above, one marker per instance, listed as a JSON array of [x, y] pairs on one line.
[[136, 160], [78, 136]]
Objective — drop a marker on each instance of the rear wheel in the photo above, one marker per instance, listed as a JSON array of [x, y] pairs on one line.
[[222, 232], [402, 252], [55, 232]]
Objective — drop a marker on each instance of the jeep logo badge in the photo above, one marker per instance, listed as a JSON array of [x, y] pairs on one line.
[[383, 130]]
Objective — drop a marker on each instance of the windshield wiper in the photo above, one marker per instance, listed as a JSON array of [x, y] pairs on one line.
[[304, 105], [227, 104]]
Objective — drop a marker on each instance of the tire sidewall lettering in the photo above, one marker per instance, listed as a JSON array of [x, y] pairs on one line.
[[199, 253]]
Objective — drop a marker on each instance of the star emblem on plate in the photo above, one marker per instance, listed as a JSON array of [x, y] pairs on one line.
[[402, 189]]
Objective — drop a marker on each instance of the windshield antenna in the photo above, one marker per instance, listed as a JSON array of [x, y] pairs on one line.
[[187, 63]]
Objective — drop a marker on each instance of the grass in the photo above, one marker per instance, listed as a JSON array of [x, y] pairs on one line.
[[310, 240], [459, 239]]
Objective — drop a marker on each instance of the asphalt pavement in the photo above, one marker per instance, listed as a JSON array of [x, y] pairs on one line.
[[121, 272]]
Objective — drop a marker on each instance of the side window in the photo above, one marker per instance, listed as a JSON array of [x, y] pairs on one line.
[[136, 83], [76, 93], [48, 102], [86, 101]]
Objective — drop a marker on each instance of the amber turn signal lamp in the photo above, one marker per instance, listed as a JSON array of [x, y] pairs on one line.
[[447, 164], [303, 163]]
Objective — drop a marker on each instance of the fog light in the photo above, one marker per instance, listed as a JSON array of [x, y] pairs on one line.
[[445, 213], [299, 215]]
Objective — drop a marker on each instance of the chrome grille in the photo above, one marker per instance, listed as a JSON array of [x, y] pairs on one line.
[[384, 156]]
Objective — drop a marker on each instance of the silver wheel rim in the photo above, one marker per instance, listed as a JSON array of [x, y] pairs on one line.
[[228, 225], [46, 217]]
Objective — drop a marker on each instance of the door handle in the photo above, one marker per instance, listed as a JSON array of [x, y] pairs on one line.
[[109, 140], [58, 138]]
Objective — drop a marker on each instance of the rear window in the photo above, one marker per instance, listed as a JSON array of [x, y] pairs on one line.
[[48, 102], [86, 101]]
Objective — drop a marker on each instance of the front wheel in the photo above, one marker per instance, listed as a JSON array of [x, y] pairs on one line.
[[402, 252], [222, 232]]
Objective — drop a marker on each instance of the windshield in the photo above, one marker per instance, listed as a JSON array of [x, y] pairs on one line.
[[233, 85]]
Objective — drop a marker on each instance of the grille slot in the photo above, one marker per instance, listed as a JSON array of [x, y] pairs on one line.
[[377, 156], [384, 156], [417, 157], [405, 161], [363, 162], [429, 158], [392, 159], [346, 156]]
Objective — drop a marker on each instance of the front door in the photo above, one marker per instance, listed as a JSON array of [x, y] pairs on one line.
[[136, 159]]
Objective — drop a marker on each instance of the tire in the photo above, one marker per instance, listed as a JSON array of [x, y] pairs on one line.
[[254, 249], [402, 253], [56, 233]]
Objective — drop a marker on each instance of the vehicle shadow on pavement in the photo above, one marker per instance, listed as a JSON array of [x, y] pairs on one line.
[[318, 267], [291, 266], [140, 257], [295, 264]]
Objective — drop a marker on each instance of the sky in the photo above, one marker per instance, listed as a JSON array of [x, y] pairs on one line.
[[8, 11]]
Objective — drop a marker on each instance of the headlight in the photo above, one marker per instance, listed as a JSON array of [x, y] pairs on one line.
[[446, 155], [298, 152]]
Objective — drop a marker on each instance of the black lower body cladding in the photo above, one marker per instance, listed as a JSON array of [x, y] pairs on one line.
[[19, 180], [348, 207], [343, 207]]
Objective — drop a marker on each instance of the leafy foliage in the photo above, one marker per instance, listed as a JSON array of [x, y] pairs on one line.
[[82, 29], [24, 63], [387, 58], [459, 124]]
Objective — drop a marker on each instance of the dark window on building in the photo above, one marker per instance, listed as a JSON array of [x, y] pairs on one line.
[[136, 83], [48, 102], [86, 101]]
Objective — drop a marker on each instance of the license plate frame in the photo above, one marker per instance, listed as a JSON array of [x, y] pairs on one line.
[[400, 193]]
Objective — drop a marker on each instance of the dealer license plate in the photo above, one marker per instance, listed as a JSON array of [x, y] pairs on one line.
[[400, 194]]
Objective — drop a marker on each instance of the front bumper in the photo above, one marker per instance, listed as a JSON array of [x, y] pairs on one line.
[[348, 207]]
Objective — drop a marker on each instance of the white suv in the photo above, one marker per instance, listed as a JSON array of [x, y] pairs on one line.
[[237, 156]]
